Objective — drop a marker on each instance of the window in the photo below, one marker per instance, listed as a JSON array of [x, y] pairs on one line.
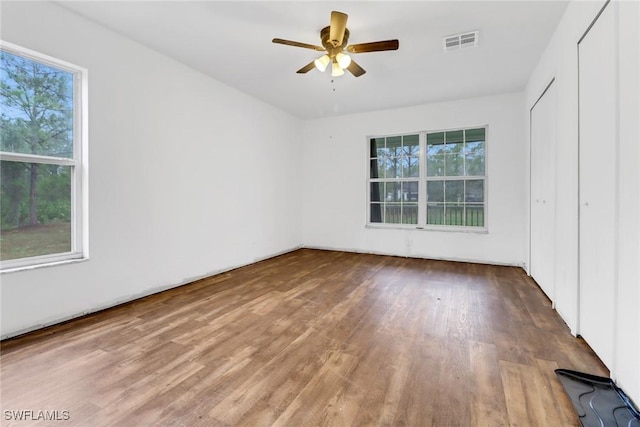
[[395, 175], [42, 159], [455, 178], [429, 179]]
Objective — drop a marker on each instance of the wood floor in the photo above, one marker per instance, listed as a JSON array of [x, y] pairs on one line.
[[309, 338]]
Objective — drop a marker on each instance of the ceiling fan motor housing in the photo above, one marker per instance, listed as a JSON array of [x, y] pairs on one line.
[[331, 45]]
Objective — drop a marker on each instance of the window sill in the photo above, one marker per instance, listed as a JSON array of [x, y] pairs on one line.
[[442, 228], [43, 265]]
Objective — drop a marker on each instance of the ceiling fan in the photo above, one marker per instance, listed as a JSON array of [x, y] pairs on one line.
[[334, 43]]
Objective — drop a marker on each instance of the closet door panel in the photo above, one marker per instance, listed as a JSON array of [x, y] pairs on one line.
[[543, 154], [597, 88]]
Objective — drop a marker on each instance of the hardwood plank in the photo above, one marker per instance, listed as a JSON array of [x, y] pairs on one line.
[[488, 404], [555, 401], [313, 405], [310, 338], [451, 404]]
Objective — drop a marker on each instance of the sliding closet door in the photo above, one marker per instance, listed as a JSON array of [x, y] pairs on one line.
[[543, 165], [598, 142]]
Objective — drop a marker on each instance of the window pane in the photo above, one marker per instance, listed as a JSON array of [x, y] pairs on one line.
[[377, 191], [435, 160], [454, 161], [435, 191], [474, 191], [435, 138], [393, 213], [373, 169], [454, 214], [454, 137], [410, 167], [394, 146], [377, 147], [474, 156], [375, 215], [435, 154], [475, 215], [37, 107], [377, 168], [35, 206], [435, 213], [435, 166], [410, 213], [393, 192], [411, 145], [474, 135], [410, 191], [454, 191], [393, 167]]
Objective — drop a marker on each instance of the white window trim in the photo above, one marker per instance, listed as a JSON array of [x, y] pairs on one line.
[[422, 187], [79, 163]]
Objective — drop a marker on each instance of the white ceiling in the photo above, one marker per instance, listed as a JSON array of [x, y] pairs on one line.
[[231, 41]]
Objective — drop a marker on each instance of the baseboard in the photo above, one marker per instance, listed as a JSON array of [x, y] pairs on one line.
[[453, 259]]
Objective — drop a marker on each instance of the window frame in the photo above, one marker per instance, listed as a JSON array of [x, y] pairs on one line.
[[78, 164], [422, 185], [397, 180]]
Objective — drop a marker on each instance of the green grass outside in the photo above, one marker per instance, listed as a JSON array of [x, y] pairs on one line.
[[28, 241]]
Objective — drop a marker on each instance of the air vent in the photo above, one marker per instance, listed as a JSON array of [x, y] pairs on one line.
[[459, 41]]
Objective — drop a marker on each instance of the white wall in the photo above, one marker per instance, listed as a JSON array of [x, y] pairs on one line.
[[187, 176], [335, 165], [560, 60]]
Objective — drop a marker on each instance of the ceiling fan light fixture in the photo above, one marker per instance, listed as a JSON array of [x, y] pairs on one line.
[[322, 62], [336, 71], [335, 42], [343, 60]]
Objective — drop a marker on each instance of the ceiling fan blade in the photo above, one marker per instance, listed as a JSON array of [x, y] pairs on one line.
[[338, 26], [298, 44], [373, 46], [310, 66], [355, 69]]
